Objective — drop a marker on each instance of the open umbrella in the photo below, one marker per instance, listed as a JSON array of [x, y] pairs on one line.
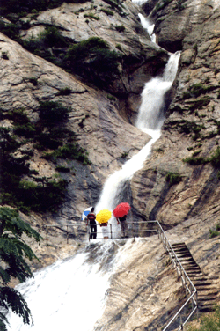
[[86, 212], [121, 209], [103, 216]]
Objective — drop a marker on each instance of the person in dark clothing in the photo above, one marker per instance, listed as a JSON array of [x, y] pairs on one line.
[[93, 226], [124, 226]]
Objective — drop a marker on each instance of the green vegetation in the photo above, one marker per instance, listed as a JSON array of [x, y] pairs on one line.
[[62, 169], [194, 91], [162, 4], [195, 153], [110, 97], [52, 112], [120, 28], [196, 160], [198, 103], [191, 127], [14, 253], [22, 7], [124, 155], [210, 322], [91, 15], [195, 95], [40, 194], [64, 91], [113, 3], [9, 30], [118, 46], [89, 59], [214, 159], [5, 55], [43, 45], [107, 11], [213, 234], [173, 178], [86, 59], [69, 151], [52, 36]]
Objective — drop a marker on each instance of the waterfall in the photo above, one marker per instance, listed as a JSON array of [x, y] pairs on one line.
[[139, 2], [78, 300], [149, 27], [150, 120]]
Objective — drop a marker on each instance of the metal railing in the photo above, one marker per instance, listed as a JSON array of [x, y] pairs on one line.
[[190, 306], [133, 230]]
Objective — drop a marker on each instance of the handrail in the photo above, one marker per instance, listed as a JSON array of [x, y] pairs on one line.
[[184, 277], [186, 282]]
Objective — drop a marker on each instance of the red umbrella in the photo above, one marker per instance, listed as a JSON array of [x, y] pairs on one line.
[[121, 209]]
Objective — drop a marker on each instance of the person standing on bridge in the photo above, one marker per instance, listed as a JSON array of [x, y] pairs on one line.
[[91, 217], [121, 213], [124, 226]]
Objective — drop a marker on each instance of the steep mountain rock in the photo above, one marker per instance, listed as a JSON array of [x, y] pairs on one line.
[[120, 27], [93, 118], [183, 195], [99, 120], [181, 178]]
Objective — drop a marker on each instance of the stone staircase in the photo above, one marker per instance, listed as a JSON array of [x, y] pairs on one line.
[[207, 293]]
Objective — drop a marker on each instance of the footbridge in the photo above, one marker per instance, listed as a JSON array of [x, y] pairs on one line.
[[200, 290]]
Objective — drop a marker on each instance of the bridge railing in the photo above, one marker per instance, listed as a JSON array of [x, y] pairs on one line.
[[189, 307]]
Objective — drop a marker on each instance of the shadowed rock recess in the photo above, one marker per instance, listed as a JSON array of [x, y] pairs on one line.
[[72, 75]]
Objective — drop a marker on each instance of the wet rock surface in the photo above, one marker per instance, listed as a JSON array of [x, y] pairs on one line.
[[102, 121], [190, 129]]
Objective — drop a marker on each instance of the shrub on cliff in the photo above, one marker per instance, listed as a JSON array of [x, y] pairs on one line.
[[40, 194], [52, 112], [14, 253], [93, 60], [19, 6], [173, 178]]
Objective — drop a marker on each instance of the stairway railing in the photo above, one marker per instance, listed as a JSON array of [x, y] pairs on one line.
[[186, 311], [190, 306]]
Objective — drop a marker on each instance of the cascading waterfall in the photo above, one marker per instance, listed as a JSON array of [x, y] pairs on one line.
[[78, 300], [149, 27], [150, 120]]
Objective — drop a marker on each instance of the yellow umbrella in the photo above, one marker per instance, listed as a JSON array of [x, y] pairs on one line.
[[103, 216]]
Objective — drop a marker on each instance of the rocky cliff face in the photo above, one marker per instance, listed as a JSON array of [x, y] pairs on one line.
[[101, 117], [179, 183], [188, 147]]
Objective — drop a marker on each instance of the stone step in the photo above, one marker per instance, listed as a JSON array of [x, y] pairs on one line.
[[204, 288], [206, 298], [181, 250], [201, 283], [206, 292], [193, 273], [206, 308], [179, 244], [188, 258], [192, 267]]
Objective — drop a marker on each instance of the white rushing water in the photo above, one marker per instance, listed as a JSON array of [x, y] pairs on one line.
[[139, 2], [148, 26], [70, 295], [150, 120]]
